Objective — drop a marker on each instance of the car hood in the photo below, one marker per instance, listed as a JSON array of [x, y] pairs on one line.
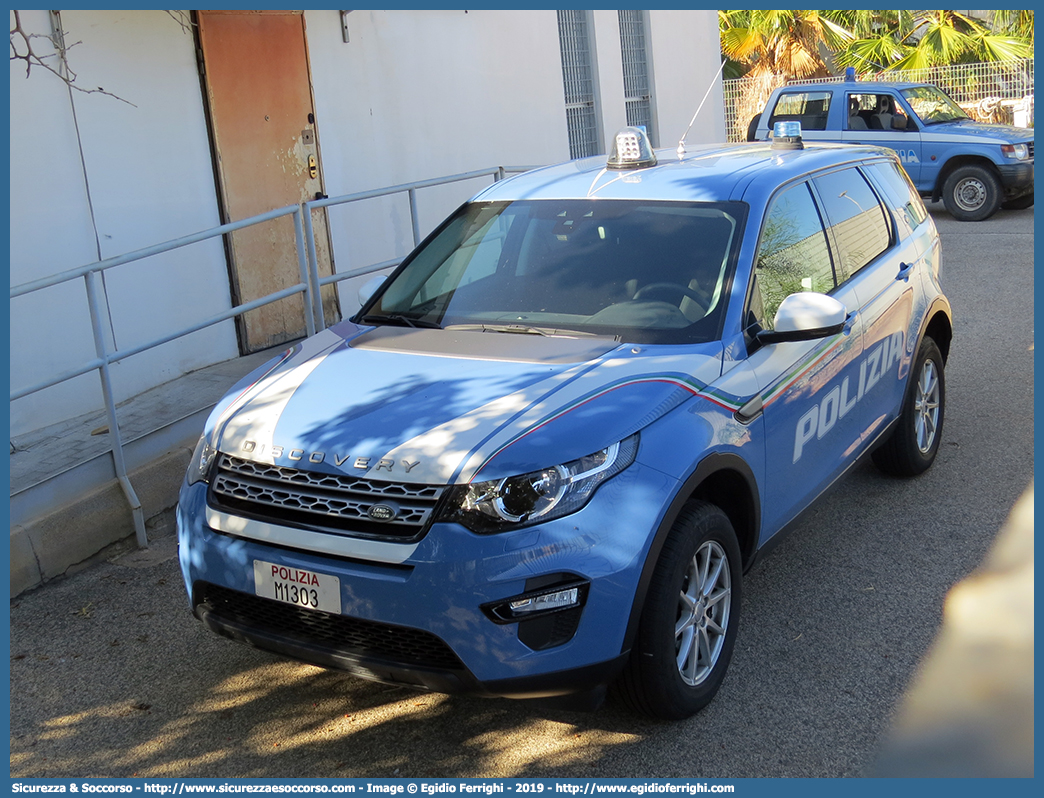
[[977, 131], [442, 407]]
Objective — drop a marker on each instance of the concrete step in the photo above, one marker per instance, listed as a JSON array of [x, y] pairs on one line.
[[66, 504]]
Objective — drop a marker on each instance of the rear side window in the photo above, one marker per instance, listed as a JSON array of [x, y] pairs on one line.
[[855, 217], [792, 255], [807, 107], [872, 112], [901, 195]]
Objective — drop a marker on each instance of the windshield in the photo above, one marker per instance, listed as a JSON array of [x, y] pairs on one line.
[[641, 271], [932, 105]]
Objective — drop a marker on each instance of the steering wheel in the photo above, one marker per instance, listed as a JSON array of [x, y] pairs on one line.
[[700, 301]]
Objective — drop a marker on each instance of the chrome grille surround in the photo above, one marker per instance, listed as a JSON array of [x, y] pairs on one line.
[[334, 503]]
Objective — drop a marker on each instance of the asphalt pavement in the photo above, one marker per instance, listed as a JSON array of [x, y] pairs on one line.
[[112, 676]]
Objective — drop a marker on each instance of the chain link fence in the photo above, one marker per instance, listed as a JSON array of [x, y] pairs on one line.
[[999, 92]]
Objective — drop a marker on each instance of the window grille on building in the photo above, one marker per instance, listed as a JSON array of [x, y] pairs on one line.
[[637, 96], [578, 78]]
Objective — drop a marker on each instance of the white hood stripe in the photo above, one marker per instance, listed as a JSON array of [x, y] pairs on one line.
[[278, 389]]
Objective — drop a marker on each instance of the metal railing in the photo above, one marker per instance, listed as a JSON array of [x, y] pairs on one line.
[[980, 88], [309, 285]]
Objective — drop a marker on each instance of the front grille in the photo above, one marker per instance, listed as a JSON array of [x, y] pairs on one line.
[[329, 502], [1031, 150], [328, 632]]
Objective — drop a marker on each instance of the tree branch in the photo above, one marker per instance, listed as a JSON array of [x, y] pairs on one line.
[[22, 49]]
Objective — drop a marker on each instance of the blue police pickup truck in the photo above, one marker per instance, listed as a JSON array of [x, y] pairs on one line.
[[975, 168], [542, 456]]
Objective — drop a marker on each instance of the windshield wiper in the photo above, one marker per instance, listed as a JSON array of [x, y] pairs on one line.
[[398, 318], [526, 329]]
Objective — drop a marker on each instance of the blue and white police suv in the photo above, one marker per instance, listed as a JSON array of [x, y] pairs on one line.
[[541, 457], [973, 167]]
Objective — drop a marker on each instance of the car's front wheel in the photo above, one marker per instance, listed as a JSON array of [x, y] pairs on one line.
[[913, 444], [689, 621], [972, 193]]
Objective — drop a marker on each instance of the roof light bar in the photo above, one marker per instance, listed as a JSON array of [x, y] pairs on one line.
[[787, 136], [631, 150]]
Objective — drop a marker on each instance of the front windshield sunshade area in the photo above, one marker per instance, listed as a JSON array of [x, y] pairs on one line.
[[643, 271], [932, 105]]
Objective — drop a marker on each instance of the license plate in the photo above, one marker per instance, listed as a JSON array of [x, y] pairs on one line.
[[296, 586]]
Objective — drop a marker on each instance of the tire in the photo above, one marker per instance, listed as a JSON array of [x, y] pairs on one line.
[[972, 193], [913, 444], [700, 546], [1019, 203]]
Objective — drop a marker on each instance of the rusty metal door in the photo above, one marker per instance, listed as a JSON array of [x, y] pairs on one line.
[[259, 94]]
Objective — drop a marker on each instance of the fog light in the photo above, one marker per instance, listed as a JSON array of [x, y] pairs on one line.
[[564, 595], [549, 601]]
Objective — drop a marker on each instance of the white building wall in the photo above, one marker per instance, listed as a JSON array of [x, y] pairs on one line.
[[50, 231], [413, 95], [685, 51], [423, 94], [150, 175]]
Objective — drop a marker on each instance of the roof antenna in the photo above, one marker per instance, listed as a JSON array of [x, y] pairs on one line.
[[681, 144]]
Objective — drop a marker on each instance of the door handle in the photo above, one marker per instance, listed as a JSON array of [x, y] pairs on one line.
[[904, 271]]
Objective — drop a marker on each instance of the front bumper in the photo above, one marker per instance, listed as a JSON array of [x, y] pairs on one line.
[[1016, 178], [214, 606], [428, 607]]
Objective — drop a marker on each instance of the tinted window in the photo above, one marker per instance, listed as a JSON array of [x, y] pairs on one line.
[[901, 195], [645, 271], [807, 107], [792, 254], [856, 218]]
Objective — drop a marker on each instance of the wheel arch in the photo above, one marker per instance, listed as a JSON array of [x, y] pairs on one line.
[[939, 327], [724, 480], [956, 162]]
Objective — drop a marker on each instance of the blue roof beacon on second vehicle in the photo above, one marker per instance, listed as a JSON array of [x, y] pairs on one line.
[[539, 460], [975, 168]]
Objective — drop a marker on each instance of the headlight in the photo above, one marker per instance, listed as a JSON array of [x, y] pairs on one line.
[[501, 504], [1019, 152], [202, 460]]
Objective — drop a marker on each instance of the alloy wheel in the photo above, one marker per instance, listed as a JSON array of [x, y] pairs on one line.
[[703, 613], [926, 407]]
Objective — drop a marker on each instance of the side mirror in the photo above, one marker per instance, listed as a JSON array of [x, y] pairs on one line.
[[806, 316], [899, 122], [369, 288]]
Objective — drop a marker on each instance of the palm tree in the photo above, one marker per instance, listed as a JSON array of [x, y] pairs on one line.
[[1016, 23], [793, 43], [916, 40], [804, 44]]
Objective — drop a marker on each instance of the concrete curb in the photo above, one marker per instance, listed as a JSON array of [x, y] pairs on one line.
[[75, 533]]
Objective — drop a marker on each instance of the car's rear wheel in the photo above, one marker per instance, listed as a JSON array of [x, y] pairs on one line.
[[972, 193], [913, 444], [689, 621]]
